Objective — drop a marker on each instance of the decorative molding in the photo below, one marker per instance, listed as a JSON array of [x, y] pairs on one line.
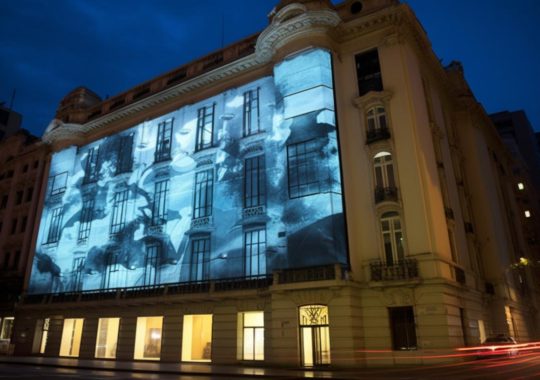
[[373, 98], [314, 296]]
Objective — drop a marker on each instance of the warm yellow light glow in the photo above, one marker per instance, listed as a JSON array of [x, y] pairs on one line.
[[527, 214], [520, 186], [314, 334], [197, 338], [148, 338], [7, 327], [251, 331], [107, 337], [71, 337]]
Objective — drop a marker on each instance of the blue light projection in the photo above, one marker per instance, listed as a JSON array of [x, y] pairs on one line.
[[238, 185]]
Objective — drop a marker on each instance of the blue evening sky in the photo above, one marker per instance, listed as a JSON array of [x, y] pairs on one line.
[[49, 47]]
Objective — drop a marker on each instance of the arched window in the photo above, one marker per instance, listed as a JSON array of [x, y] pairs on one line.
[[392, 236], [385, 183]]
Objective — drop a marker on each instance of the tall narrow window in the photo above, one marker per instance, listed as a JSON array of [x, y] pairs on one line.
[[118, 220], [164, 141], [202, 199], [314, 335], [197, 338], [385, 183], [87, 214], [251, 337], [107, 338], [254, 182], [77, 271], [44, 335], [377, 128], [110, 278], [402, 327], [251, 112], [55, 225], [205, 128], [7, 328], [148, 338], [159, 209], [255, 252], [392, 236], [91, 169], [302, 163], [29, 194], [58, 183], [200, 259], [368, 72], [151, 263], [71, 337], [125, 154]]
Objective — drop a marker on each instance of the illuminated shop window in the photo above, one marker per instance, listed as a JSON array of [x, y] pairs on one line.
[[205, 128], [118, 220], [392, 236], [91, 169], [55, 225], [58, 183], [254, 182], [202, 197], [112, 273], [200, 259], [251, 335], [251, 113], [107, 338], [164, 141], [77, 271], [402, 327], [7, 328], [151, 263], [255, 252], [521, 186], [197, 338], [314, 335], [87, 214], [125, 154], [42, 338], [148, 338], [302, 162], [71, 337], [159, 209], [376, 120]]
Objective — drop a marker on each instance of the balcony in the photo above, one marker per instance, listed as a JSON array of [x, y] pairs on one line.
[[377, 134], [406, 269], [385, 194]]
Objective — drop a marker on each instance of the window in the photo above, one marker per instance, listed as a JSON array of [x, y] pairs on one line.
[[125, 154], [159, 209], [19, 197], [254, 182], [13, 226], [25, 168], [255, 252], [164, 141], [91, 168], [7, 260], [118, 220], [385, 183], [58, 183], [111, 276], [251, 113], [4, 202], [200, 259], [24, 221], [71, 337], [251, 335], [107, 338], [368, 72], [402, 327], [17, 259], [314, 335], [55, 224], [29, 194], [202, 199], [302, 163], [87, 214], [151, 263], [7, 327], [148, 338], [392, 238], [205, 128], [36, 164], [377, 127], [77, 271], [197, 338]]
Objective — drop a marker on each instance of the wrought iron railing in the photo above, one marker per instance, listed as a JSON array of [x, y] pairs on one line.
[[385, 194], [377, 134], [402, 270]]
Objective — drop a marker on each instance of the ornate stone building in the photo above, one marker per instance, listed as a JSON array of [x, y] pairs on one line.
[[312, 195]]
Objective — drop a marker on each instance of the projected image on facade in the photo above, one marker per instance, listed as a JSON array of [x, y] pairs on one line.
[[237, 185]]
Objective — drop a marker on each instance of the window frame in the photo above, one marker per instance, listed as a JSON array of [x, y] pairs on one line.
[[254, 181], [203, 193], [251, 103], [203, 133], [119, 212], [302, 168], [249, 257], [392, 256], [199, 269], [164, 140]]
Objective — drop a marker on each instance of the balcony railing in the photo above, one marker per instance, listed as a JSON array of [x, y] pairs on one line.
[[377, 134], [385, 194], [402, 270]]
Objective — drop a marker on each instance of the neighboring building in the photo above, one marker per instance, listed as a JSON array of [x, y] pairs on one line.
[[10, 122], [311, 195], [22, 163]]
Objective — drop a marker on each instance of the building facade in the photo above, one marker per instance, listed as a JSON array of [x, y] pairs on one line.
[[311, 195]]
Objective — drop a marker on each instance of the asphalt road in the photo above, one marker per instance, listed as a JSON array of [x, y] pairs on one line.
[[524, 367]]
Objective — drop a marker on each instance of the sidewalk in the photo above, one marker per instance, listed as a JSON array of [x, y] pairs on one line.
[[177, 368]]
